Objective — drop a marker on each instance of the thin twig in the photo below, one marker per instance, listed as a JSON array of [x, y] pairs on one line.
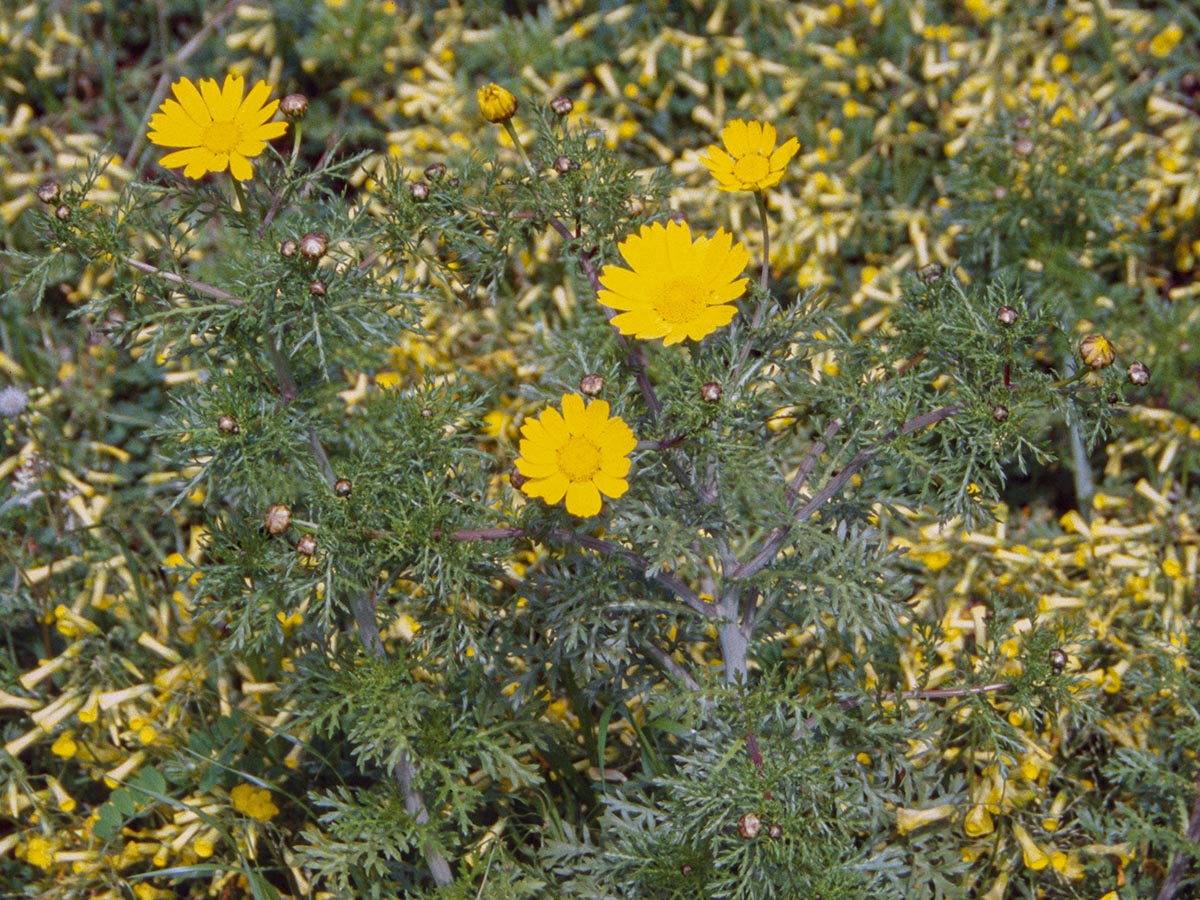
[[199, 287], [670, 665]]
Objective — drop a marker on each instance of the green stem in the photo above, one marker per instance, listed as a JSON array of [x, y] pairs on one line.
[[298, 132], [512, 133], [243, 206], [765, 274]]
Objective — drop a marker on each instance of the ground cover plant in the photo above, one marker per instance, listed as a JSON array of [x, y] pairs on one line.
[[596, 450]]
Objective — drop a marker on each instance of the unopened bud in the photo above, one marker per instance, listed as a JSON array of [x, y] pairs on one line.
[[562, 106], [306, 545], [1097, 351], [1000, 412], [342, 487], [564, 164], [999, 192], [1006, 316], [1023, 146], [1058, 660], [227, 424], [1138, 373], [497, 104], [419, 191], [49, 192], [314, 244], [591, 385], [711, 391], [62, 213], [749, 826], [516, 479], [775, 831], [317, 287], [294, 106], [288, 248], [277, 519], [435, 171]]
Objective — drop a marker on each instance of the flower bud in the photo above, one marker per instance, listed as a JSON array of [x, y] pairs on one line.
[[749, 826], [419, 191], [62, 213], [1138, 373], [564, 164], [306, 545], [591, 385], [277, 518], [516, 479], [930, 273], [342, 487], [49, 192], [635, 206], [1000, 412], [314, 244], [496, 103], [288, 248], [1023, 146], [294, 106], [1058, 660], [435, 171], [562, 106], [1097, 351], [227, 424], [775, 831], [999, 192], [317, 287], [711, 392], [1006, 316]]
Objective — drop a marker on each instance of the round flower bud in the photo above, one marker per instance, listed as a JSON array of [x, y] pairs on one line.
[[591, 385], [314, 244], [317, 287], [1058, 660], [1023, 146], [277, 518], [564, 164], [562, 106], [288, 248], [1000, 412], [1097, 351], [62, 213], [635, 206], [711, 391], [1023, 122], [686, 869], [516, 479], [496, 103], [419, 191], [307, 545], [294, 106], [227, 424], [49, 192], [342, 487], [1006, 316], [775, 831], [749, 826], [435, 171], [999, 192], [1138, 373]]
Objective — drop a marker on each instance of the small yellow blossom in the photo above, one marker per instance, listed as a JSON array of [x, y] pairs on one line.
[[253, 801], [911, 819], [1164, 42], [497, 104]]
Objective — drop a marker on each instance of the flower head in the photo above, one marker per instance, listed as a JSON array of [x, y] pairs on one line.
[[496, 103], [215, 128], [750, 160], [578, 454], [253, 801], [675, 287]]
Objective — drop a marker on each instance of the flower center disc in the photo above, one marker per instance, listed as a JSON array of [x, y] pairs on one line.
[[579, 459], [682, 300], [221, 137], [752, 169]]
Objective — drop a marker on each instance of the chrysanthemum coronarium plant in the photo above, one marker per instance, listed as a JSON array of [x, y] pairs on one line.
[[610, 599]]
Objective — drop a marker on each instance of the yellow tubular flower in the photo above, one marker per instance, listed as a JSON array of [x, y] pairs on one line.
[[1034, 856], [253, 801], [750, 160], [911, 819], [496, 103], [578, 454], [215, 128], [676, 287]]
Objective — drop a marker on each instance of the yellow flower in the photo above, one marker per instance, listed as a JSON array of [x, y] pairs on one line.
[[1034, 856], [39, 852], [752, 162], [496, 103], [978, 822], [578, 454], [216, 128], [1164, 42], [254, 802], [911, 819], [675, 288]]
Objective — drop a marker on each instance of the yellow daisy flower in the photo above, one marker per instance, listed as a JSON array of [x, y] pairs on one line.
[[752, 162], [216, 128], [675, 287], [578, 454], [497, 104]]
